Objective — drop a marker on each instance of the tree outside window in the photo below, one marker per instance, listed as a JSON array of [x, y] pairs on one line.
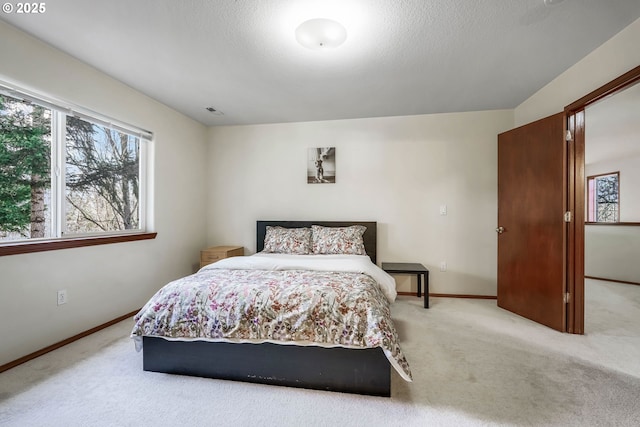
[[93, 188], [603, 197], [25, 155], [102, 176]]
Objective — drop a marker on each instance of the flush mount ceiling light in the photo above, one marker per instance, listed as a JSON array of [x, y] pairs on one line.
[[552, 2], [320, 33]]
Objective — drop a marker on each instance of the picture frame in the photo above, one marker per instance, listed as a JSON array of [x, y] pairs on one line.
[[321, 165]]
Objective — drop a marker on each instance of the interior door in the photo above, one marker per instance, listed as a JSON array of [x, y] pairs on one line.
[[531, 225]]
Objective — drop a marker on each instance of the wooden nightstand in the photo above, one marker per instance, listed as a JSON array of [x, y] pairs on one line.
[[216, 253]]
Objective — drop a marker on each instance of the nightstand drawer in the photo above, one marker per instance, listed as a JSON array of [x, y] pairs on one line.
[[216, 253], [209, 257]]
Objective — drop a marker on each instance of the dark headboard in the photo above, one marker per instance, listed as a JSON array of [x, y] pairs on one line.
[[370, 235]]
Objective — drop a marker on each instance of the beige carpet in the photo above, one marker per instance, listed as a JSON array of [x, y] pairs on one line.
[[473, 364]]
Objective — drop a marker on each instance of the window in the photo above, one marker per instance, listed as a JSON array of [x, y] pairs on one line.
[[603, 198], [67, 173], [102, 177]]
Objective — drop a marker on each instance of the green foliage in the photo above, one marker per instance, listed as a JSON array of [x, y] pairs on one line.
[[101, 173], [24, 161]]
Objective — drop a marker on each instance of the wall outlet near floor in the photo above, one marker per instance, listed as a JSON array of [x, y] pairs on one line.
[[62, 297], [443, 265]]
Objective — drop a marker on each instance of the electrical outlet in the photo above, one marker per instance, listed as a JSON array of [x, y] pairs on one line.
[[443, 265], [62, 297]]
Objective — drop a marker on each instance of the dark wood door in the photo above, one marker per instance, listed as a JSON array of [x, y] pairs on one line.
[[531, 233]]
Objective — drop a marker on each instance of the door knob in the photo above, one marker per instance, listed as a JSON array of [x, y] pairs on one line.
[[500, 230]]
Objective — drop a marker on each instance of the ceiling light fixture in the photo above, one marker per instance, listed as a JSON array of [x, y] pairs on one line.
[[552, 2], [320, 33]]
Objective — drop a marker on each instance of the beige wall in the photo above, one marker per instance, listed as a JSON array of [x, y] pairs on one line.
[[614, 58], [103, 282], [395, 170]]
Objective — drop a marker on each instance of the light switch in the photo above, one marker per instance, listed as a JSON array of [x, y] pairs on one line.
[[443, 209]]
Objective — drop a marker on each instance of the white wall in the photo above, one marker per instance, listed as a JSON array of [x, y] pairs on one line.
[[614, 58], [395, 170], [611, 252], [103, 282]]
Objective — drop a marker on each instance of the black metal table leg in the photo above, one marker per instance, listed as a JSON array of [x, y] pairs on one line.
[[426, 289]]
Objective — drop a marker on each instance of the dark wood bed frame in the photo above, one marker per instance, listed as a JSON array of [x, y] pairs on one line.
[[362, 371]]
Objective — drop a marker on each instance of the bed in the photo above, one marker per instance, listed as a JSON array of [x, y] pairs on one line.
[[198, 331]]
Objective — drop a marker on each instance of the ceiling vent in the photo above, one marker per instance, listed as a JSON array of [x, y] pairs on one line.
[[214, 111]]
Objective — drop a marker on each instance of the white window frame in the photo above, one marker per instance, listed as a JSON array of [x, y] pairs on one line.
[[60, 110]]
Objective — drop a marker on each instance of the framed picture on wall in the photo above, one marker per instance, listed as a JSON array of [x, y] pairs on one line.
[[321, 165]]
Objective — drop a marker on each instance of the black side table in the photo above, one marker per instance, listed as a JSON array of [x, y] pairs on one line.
[[411, 268]]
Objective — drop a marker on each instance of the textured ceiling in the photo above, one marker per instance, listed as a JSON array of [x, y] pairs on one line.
[[401, 57]]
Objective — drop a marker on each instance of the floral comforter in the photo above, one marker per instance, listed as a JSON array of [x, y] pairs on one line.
[[262, 299]]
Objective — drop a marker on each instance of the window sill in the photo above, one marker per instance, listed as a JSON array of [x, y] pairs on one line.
[[54, 245], [612, 223]]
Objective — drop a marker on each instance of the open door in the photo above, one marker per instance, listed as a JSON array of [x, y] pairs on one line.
[[532, 182]]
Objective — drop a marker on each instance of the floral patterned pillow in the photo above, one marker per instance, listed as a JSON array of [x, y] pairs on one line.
[[338, 240], [280, 240]]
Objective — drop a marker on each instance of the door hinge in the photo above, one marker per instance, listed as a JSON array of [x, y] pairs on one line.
[[567, 216], [567, 297], [568, 137]]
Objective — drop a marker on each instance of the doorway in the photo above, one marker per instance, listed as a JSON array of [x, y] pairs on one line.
[[516, 264], [612, 227], [577, 191]]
